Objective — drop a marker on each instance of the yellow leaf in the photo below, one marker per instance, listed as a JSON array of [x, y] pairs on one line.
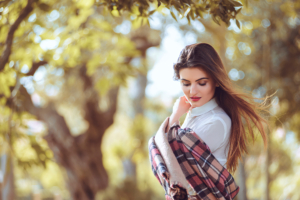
[[3, 33], [173, 15], [85, 3], [7, 79], [136, 23], [115, 13], [102, 86], [2, 101]]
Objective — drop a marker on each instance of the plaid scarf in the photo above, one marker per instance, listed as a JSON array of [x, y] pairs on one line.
[[207, 178]]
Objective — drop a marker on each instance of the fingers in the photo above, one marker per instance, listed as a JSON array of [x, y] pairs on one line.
[[182, 98]]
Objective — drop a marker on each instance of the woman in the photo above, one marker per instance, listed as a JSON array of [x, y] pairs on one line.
[[215, 110]]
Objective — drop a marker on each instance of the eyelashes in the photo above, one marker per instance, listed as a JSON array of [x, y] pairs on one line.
[[198, 84]]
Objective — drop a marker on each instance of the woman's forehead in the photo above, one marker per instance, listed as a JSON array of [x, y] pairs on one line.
[[193, 73]]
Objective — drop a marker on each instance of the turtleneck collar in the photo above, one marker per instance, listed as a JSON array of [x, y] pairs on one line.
[[204, 108]]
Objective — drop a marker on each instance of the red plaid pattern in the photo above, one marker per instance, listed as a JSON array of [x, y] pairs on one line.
[[202, 170]]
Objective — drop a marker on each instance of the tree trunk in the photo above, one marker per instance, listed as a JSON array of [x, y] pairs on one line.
[[266, 82], [8, 186], [80, 156], [83, 164], [142, 42], [242, 195]]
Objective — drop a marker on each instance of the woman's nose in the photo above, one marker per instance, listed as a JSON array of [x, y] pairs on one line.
[[193, 90]]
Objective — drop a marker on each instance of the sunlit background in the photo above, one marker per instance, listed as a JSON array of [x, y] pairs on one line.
[[84, 88]]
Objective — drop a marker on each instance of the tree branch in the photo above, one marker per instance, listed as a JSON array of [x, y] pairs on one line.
[[98, 121], [57, 126], [34, 67], [9, 40], [113, 97]]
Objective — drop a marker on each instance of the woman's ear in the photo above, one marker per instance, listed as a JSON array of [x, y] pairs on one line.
[[216, 83]]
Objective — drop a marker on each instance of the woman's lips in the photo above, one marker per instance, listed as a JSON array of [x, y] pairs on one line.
[[196, 99]]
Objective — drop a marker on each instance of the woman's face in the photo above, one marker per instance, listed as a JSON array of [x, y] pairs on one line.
[[195, 82]]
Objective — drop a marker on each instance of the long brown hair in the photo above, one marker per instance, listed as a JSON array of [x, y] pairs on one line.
[[238, 105]]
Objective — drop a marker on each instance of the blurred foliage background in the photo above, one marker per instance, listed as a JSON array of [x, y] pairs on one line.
[[77, 85]]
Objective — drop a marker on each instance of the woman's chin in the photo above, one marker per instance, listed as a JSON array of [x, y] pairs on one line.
[[196, 104]]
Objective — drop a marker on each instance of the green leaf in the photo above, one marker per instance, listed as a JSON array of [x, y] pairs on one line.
[[151, 12], [221, 8], [148, 22], [191, 13], [141, 10], [236, 3], [44, 7], [215, 19], [173, 15], [103, 86], [199, 13], [143, 20], [189, 20], [237, 23]]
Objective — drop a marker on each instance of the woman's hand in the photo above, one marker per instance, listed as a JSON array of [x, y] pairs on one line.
[[181, 106]]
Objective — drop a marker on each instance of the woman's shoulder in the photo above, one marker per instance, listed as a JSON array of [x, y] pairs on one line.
[[220, 114]]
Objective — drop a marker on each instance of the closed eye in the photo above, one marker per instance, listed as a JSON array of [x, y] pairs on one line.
[[198, 83]]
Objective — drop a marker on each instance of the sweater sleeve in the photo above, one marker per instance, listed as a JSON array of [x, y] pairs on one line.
[[214, 133]]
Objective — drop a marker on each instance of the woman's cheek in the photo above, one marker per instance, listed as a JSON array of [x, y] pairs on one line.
[[204, 89], [184, 90]]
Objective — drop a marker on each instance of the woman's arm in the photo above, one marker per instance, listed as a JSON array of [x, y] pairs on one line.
[[216, 132], [173, 118], [180, 108]]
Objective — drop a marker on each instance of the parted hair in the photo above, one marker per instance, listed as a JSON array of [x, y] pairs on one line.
[[240, 106]]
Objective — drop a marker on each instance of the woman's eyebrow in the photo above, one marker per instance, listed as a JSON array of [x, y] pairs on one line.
[[196, 80]]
